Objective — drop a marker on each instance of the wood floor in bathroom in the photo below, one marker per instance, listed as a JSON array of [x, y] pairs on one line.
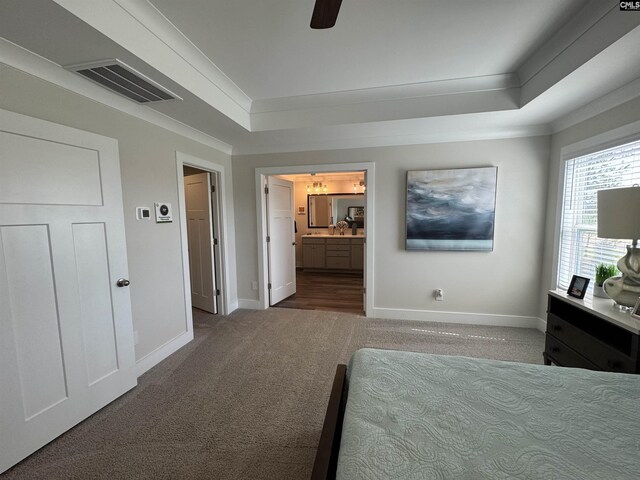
[[336, 292]]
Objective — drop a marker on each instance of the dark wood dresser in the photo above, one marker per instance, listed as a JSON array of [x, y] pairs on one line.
[[591, 333]]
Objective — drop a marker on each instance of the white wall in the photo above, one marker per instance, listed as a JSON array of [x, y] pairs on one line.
[[148, 170], [620, 116], [499, 287]]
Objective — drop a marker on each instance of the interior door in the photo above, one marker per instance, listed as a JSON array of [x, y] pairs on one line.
[[66, 336], [281, 244], [197, 189]]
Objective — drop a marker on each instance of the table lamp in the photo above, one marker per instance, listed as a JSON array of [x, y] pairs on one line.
[[619, 218]]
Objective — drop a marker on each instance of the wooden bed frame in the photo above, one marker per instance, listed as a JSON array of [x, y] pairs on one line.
[[326, 462]]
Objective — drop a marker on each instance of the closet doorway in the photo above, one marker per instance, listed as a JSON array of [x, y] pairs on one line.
[[202, 208]]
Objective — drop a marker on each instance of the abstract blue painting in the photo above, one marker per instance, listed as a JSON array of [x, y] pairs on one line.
[[451, 209]]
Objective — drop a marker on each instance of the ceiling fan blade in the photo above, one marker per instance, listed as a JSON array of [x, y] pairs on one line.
[[325, 13]]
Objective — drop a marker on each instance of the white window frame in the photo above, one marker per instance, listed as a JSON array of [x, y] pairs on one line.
[[619, 136]]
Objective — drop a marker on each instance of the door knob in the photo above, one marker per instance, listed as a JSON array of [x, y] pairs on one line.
[[293, 243], [122, 282]]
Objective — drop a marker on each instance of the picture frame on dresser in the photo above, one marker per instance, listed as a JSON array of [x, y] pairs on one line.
[[635, 313], [578, 286]]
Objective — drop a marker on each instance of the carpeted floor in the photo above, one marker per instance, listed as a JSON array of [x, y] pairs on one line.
[[246, 399]]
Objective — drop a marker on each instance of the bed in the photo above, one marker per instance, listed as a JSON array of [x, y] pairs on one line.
[[403, 415]]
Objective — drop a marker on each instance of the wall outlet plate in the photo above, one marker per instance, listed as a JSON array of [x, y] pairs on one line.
[[163, 212]]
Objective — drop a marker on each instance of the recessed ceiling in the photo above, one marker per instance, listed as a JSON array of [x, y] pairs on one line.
[[269, 51], [254, 75]]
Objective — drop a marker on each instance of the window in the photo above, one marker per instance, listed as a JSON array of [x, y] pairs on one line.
[[580, 248]]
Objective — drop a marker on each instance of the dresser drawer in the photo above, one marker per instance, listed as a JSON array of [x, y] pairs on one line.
[[604, 356], [338, 253], [565, 356]]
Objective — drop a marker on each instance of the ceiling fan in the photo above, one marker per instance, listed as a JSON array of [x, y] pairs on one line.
[[325, 13]]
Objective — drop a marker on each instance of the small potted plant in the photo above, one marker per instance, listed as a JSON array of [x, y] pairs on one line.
[[603, 271]]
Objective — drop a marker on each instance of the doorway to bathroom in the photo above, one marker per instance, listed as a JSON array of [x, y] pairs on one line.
[[326, 244]]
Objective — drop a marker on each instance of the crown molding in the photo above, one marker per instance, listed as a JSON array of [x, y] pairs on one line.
[[595, 29], [394, 140], [433, 99], [611, 100], [21, 59], [143, 31]]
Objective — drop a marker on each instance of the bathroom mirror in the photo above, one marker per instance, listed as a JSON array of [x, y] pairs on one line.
[[329, 209]]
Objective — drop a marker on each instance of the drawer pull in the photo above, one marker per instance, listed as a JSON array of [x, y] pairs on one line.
[[556, 328]]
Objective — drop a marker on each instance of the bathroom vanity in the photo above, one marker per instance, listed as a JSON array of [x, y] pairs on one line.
[[333, 252]]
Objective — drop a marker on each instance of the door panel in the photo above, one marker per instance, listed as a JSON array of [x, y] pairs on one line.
[[26, 267], [281, 247], [95, 300], [66, 336], [197, 190]]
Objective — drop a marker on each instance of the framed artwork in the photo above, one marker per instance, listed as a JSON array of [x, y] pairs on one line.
[[578, 286], [635, 313], [301, 210], [451, 209]]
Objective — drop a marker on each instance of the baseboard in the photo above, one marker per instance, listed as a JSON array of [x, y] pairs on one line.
[[249, 304], [541, 324], [232, 307], [457, 317], [152, 359]]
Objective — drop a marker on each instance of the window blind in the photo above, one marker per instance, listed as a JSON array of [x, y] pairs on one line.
[[580, 248]]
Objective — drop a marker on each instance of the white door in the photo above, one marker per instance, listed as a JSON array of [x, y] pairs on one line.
[[197, 191], [281, 244], [66, 337]]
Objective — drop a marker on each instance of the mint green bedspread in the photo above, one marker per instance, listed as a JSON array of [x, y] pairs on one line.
[[418, 416]]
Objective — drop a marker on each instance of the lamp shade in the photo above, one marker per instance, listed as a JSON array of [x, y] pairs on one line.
[[619, 213]]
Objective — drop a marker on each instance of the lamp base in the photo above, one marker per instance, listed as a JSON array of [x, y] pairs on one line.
[[625, 289]]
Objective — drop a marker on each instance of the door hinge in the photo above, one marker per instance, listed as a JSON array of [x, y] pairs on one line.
[[215, 241], [269, 285], [217, 291], [213, 189], [268, 238], [266, 190]]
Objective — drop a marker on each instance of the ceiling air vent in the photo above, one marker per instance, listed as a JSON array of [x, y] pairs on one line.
[[124, 80]]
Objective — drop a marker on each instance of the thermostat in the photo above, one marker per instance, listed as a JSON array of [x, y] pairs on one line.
[[163, 212], [143, 213]]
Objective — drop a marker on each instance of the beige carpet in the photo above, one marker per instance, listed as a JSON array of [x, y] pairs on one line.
[[246, 398]]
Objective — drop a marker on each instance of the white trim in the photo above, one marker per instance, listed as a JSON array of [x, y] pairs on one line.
[[375, 140], [541, 325], [456, 317], [226, 299], [250, 304], [21, 59], [611, 100], [159, 354], [262, 173]]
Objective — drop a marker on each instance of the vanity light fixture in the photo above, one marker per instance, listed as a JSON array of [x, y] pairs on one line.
[[355, 188], [364, 187]]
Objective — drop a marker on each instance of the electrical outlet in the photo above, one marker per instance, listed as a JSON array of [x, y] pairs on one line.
[[438, 294], [254, 285]]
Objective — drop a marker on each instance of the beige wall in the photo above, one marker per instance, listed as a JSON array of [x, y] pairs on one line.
[[620, 116], [504, 282], [148, 169]]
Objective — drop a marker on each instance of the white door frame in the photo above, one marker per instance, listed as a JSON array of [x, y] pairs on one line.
[[261, 208], [224, 301]]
